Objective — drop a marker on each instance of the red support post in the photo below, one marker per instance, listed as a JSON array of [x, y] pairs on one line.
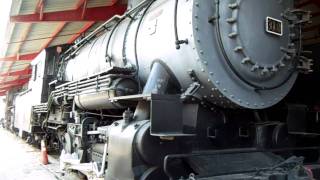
[[79, 4], [84, 8]]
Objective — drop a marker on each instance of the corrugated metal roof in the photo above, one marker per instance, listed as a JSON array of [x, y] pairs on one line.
[[29, 38], [27, 7], [59, 5]]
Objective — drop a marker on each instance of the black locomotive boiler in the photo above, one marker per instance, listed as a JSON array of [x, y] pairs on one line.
[[183, 89]]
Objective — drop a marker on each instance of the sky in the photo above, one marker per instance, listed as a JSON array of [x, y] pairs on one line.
[[4, 18]]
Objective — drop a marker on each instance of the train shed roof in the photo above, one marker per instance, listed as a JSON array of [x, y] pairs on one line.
[[37, 24]]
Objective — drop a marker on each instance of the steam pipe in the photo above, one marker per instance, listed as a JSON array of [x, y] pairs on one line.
[[157, 83]]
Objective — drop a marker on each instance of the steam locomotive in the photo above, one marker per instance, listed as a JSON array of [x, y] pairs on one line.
[[180, 89]]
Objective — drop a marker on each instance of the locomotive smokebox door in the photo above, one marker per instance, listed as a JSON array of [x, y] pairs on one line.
[[252, 63]]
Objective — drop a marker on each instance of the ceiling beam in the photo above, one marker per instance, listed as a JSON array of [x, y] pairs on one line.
[[26, 57], [10, 31], [17, 81], [81, 2], [9, 68], [31, 56], [54, 35], [87, 26], [24, 37], [27, 72], [23, 72], [91, 14], [39, 8], [11, 86]]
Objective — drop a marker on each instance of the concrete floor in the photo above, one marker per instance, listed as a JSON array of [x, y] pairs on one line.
[[20, 161]]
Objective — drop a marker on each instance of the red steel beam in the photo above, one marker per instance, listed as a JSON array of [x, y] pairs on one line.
[[26, 57], [17, 81], [9, 68], [81, 2], [24, 37], [39, 4], [31, 56], [39, 8], [91, 14], [83, 29], [84, 9], [11, 86], [55, 33], [5, 86], [27, 71]]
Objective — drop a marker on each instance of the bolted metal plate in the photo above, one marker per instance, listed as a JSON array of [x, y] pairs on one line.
[[241, 56], [254, 53]]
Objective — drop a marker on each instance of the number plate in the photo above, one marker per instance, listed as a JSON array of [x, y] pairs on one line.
[[274, 26]]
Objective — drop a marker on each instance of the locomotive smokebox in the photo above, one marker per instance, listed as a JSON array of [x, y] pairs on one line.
[[246, 53]]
